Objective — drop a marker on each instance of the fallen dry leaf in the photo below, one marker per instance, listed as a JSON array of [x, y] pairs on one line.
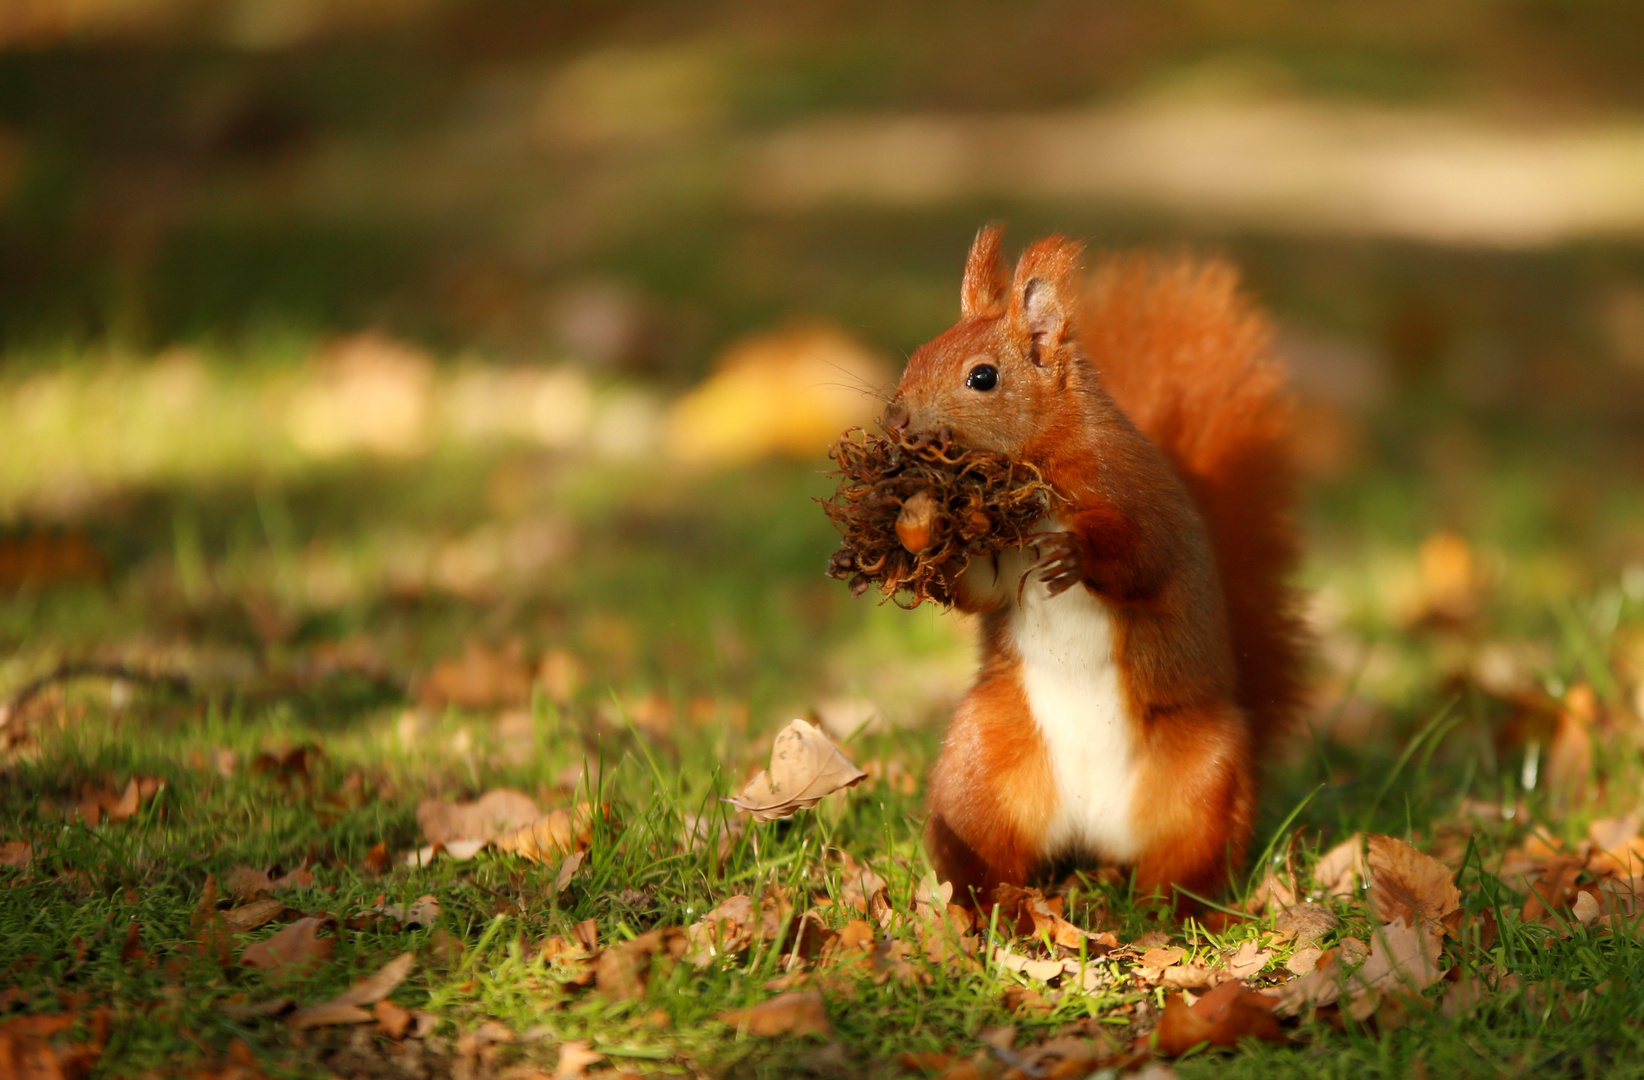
[[238, 1009], [1403, 959], [252, 915], [1193, 976], [1023, 905], [893, 959], [288, 766], [481, 678], [1221, 1017], [568, 870], [376, 860], [206, 926], [574, 1058], [1303, 961], [423, 911], [561, 674], [32, 1048], [932, 892], [1248, 960], [857, 882], [1273, 892], [445, 948], [1062, 1058], [495, 812], [999, 1038], [944, 934], [786, 392], [507, 819], [930, 1063], [1405, 884], [101, 804], [550, 836], [246, 883], [1306, 924], [1340, 870], [345, 1007], [328, 1013], [1043, 970], [1452, 584], [131, 950], [1618, 850], [797, 1013], [1323, 983], [295, 948], [805, 767], [392, 1020], [1553, 889], [16, 854], [1569, 764], [854, 940], [1617, 832], [735, 924], [621, 969], [300, 878], [494, 1031]]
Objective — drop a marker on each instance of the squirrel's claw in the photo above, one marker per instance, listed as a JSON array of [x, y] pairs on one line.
[[1060, 566]]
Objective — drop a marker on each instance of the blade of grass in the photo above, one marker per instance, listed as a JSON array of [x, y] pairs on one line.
[[1404, 758]]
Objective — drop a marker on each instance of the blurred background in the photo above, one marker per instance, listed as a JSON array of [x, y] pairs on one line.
[[364, 352]]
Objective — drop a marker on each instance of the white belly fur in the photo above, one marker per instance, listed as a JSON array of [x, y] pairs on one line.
[[1072, 683]]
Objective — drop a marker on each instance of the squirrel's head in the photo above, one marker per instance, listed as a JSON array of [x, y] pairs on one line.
[[994, 378]]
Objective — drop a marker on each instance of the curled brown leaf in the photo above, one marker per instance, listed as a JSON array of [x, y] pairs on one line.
[[252, 915], [805, 768], [1407, 884], [295, 948], [797, 1013], [1221, 1017]]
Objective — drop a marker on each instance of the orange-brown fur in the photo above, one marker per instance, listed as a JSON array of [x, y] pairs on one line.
[[1187, 358], [1151, 405]]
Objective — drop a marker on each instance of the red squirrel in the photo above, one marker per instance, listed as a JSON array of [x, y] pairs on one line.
[[1141, 656]]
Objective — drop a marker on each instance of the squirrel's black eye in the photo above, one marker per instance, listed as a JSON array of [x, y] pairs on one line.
[[982, 377]]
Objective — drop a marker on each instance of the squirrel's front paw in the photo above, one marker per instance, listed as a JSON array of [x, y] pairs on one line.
[[1060, 565]]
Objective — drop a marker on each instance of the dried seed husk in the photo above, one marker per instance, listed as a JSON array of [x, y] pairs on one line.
[[980, 502]]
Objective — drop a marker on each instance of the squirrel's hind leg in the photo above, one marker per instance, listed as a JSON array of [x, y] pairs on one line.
[[1195, 802], [991, 794]]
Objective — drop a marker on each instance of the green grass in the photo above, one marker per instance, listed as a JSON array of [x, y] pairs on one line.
[[245, 571]]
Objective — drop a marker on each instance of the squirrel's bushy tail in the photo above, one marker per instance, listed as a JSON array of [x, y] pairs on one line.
[[1189, 360]]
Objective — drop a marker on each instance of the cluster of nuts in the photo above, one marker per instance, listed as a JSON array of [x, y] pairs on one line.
[[914, 510]]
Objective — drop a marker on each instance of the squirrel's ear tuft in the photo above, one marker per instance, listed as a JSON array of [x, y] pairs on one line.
[[983, 293], [1042, 296]]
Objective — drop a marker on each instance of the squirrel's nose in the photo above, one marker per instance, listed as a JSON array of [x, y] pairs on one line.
[[897, 417]]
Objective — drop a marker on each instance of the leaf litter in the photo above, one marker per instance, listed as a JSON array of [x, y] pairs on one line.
[[1292, 957]]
